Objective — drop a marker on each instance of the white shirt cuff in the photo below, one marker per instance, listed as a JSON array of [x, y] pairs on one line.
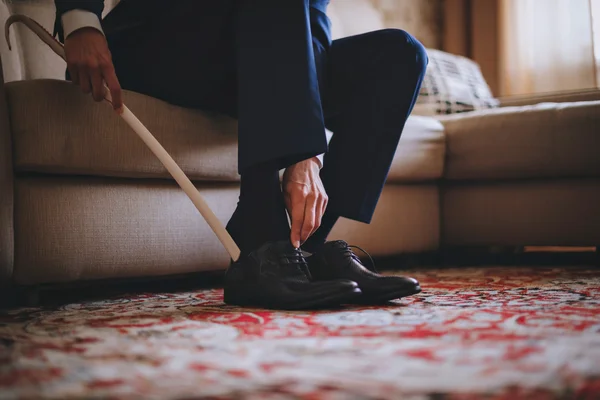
[[320, 157], [77, 19]]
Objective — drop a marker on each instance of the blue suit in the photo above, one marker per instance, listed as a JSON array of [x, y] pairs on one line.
[[273, 65]]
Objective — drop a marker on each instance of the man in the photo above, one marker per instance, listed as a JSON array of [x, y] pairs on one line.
[[272, 65]]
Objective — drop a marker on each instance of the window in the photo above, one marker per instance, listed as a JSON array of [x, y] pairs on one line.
[[548, 45], [596, 29], [528, 47]]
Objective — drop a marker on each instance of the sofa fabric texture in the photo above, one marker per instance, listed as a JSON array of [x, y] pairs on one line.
[[82, 228], [72, 228], [548, 212], [547, 140], [6, 192], [61, 130]]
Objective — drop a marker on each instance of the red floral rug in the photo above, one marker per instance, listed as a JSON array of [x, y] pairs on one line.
[[499, 333]]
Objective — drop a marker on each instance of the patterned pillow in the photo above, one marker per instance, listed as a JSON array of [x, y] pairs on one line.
[[453, 84]]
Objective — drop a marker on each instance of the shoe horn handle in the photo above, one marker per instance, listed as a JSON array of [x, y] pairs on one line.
[[147, 137]]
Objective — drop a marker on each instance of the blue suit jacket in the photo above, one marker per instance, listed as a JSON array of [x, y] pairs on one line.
[[141, 7]]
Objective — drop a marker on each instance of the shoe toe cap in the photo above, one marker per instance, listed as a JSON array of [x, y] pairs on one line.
[[400, 283], [411, 281]]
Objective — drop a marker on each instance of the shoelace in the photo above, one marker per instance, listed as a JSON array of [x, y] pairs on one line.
[[296, 260], [348, 251]]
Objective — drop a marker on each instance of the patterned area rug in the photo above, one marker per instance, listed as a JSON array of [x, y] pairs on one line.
[[496, 333]]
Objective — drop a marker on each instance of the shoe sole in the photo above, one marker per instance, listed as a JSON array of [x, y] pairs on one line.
[[379, 298], [331, 300]]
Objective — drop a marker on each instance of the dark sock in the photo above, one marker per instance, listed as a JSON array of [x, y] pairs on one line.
[[318, 239], [261, 214]]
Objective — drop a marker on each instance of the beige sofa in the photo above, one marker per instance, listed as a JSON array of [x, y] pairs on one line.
[[81, 198]]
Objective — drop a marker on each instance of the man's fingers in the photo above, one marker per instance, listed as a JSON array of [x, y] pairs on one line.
[[288, 203], [320, 209], [91, 80], [297, 195], [114, 86], [97, 86], [308, 223], [321, 206], [84, 81], [297, 217], [74, 72]]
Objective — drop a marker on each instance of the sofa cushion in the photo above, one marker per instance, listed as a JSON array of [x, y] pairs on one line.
[[453, 84], [548, 140], [7, 234], [421, 152], [78, 229], [58, 129]]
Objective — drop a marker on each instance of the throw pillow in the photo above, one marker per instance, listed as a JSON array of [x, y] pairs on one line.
[[453, 84]]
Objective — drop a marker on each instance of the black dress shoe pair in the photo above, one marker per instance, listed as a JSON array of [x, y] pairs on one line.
[[336, 260], [277, 276]]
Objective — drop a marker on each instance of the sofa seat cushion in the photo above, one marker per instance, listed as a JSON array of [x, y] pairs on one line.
[[546, 140], [421, 152], [58, 129]]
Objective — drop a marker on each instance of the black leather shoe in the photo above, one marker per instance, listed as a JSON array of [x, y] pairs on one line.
[[276, 276], [336, 260]]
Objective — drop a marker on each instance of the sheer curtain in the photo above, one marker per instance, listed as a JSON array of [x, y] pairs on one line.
[[545, 46], [596, 28]]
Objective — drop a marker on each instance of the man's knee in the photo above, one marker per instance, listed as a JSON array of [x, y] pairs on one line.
[[405, 48]]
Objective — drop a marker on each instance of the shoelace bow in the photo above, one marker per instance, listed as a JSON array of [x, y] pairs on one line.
[[348, 251]]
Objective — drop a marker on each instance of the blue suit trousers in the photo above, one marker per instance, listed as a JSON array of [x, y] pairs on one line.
[[273, 66]]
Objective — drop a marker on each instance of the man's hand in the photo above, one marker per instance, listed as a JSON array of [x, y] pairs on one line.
[[305, 199], [90, 64]]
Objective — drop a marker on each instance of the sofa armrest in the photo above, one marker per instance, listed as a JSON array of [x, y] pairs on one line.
[[6, 191], [555, 97]]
